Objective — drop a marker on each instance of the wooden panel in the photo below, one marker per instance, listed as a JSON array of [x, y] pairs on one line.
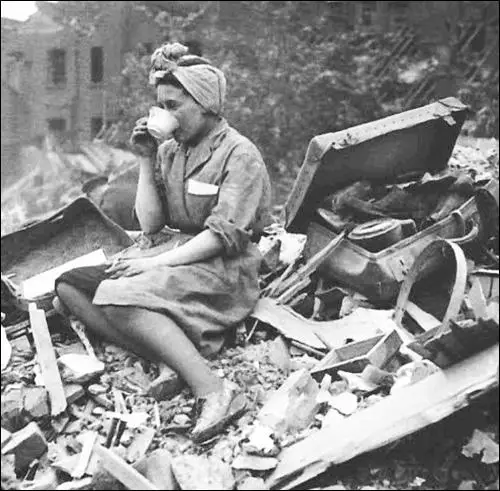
[[385, 350], [47, 360], [425, 320], [398, 415], [122, 471], [417, 140], [354, 357], [286, 321], [347, 352]]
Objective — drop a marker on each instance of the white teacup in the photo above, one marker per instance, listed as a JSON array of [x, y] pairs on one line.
[[161, 123]]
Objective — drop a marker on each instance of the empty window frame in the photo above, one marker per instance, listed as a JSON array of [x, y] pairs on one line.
[[96, 64], [57, 66]]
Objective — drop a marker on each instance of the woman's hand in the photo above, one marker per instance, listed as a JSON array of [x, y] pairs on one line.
[[141, 141], [122, 268]]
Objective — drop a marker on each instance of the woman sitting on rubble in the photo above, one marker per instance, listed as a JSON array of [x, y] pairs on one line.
[[210, 183]]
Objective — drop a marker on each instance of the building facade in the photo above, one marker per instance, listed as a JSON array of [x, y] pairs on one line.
[[55, 78]]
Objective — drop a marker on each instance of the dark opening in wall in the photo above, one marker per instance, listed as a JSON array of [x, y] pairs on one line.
[[57, 66], [95, 127], [96, 64]]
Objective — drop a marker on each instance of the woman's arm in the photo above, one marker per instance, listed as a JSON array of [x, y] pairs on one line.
[[202, 246], [148, 205]]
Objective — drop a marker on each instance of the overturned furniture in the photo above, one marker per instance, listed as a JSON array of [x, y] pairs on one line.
[[387, 185], [79, 234], [449, 351]]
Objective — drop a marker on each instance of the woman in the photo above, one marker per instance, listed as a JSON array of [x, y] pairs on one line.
[[211, 184]]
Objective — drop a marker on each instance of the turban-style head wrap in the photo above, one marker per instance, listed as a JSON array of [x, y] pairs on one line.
[[205, 83]]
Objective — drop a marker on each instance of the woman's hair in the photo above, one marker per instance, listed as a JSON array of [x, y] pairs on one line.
[[170, 79], [172, 64]]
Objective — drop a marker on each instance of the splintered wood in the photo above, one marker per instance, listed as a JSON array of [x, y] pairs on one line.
[[122, 471], [289, 284], [47, 360], [394, 417]]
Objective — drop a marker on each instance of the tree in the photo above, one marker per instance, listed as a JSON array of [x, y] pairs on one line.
[[287, 81]]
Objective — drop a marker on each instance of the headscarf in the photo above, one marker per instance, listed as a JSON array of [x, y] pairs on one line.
[[205, 83]]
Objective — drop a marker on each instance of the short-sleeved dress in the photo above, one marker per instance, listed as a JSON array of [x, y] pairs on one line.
[[221, 184]]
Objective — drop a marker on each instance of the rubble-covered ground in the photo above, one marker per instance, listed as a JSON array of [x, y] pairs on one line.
[[460, 452], [430, 459]]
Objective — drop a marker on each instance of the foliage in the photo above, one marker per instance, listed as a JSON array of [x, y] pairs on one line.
[[291, 75], [286, 81]]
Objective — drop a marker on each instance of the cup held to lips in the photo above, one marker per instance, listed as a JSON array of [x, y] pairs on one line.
[[161, 123]]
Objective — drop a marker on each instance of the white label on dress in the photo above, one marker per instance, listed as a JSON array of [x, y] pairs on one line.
[[201, 188]]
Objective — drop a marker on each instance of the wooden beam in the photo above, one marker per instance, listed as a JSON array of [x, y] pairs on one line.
[[425, 320], [289, 294], [47, 360], [311, 265], [85, 455], [361, 324], [400, 414], [286, 322], [141, 444], [122, 471]]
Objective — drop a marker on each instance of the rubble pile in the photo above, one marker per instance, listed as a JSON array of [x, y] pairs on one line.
[[330, 373], [53, 178]]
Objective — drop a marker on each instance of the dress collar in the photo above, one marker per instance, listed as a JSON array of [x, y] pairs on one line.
[[201, 153]]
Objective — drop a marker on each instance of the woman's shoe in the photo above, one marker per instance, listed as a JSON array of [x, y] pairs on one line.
[[218, 409]]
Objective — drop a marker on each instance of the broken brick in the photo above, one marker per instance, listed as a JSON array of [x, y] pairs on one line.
[[73, 392], [293, 406], [36, 402], [200, 472], [12, 409], [157, 468], [140, 444], [252, 484], [27, 445], [167, 385], [254, 463]]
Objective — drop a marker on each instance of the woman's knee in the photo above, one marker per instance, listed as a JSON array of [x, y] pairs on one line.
[[62, 289]]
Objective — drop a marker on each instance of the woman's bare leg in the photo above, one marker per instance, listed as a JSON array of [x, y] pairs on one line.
[[152, 335], [80, 305]]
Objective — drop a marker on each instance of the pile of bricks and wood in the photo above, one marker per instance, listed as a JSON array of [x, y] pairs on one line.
[[378, 316]]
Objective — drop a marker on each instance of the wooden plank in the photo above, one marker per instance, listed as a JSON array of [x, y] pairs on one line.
[[385, 350], [79, 329], [289, 294], [85, 455], [489, 282], [310, 266], [43, 283], [285, 320], [408, 410], [273, 287], [361, 324], [354, 357], [425, 320], [477, 300], [347, 352], [47, 360], [122, 471], [141, 444]]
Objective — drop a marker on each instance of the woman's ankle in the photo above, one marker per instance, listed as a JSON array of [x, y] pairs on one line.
[[209, 386]]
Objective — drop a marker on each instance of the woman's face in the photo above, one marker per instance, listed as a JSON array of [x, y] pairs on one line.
[[190, 115]]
